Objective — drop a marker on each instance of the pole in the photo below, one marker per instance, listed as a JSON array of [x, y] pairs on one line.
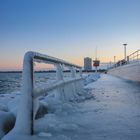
[[114, 59], [124, 51], [96, 69]]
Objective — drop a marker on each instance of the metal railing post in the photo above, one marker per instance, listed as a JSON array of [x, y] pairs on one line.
[[80, 71], [73, 72], [25, 115], [59, 72], [127, 59], [24, 121]]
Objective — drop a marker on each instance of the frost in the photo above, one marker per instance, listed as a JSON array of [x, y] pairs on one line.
[[43, 134], [58, 110], [92, 77]]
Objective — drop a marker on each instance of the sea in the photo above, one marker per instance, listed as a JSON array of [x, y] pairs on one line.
[[12, 82]]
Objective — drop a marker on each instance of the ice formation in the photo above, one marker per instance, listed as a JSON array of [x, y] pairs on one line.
[[52, 103]]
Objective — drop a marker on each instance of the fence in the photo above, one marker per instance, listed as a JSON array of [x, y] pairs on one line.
[[134, 57], [25, 116]]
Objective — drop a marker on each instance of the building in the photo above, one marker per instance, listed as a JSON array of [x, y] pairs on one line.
[[87, 63]]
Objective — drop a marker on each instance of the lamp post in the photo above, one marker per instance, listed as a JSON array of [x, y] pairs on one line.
[[114, 59], [125, 51]]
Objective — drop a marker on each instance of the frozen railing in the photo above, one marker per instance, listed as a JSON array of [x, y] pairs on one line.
[[25, 116]]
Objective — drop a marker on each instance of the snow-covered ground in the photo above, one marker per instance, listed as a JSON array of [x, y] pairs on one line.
[[109, 112]]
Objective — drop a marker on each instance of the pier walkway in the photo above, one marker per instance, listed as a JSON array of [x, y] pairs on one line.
[[112, 114], [115, 113]]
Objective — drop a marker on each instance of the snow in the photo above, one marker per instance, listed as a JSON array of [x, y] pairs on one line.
[[92, 77], [7, 120], [107, 109]]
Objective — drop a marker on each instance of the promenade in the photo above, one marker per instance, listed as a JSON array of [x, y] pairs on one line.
[[111, 114], [115, 113]]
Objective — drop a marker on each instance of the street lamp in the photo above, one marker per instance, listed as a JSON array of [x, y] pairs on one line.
[[114, 59], [125, 51]]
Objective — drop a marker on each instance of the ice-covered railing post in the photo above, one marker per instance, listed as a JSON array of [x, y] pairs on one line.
[[24, 119], [73, 72], [73, 75], [25, 115], [80, 71], [59, 74]]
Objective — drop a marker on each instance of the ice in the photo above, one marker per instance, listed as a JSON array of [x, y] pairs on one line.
[[107, 116], [42, 134], [67, 127], [3, 108], [7, 121], [54, 105], [92, 77], [110, 113]]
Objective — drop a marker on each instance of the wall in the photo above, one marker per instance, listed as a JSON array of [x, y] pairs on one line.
[[129, 71]]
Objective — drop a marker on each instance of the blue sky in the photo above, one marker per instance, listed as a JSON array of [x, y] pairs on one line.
[[68, 29]]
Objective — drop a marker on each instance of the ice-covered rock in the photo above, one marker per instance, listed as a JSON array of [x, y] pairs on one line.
[[7, 121], [3, 108], [42, 110]]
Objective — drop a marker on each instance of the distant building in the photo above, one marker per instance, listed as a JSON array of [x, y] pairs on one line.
[[87, 63]]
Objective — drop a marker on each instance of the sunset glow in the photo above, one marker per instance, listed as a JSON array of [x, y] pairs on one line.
[[70, 30]]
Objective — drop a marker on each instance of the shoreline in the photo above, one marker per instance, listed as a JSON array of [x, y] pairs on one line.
[[52, 71]]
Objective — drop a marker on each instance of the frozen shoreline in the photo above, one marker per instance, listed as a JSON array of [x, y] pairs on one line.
[[9, 101], [111, 114]]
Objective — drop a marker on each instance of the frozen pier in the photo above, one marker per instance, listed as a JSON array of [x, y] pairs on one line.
[[115, 113], [112, 114], [89, 107]]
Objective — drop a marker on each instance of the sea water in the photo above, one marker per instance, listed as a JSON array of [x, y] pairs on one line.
[[12, 82]]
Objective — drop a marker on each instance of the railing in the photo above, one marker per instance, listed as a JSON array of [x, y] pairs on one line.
[[25, 116], [134, 56]]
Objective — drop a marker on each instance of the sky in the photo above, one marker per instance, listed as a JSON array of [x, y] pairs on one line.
[[67, 29]]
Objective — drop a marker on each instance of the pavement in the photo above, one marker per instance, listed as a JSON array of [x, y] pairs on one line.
[[116, 107]]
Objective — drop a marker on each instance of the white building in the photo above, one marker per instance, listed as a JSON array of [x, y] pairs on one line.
[[87, 63]]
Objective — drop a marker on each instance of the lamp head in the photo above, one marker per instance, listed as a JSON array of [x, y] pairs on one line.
[[125, 44]]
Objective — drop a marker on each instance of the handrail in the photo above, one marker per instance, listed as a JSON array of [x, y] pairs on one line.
[[51, 87], [25, 117], [134, 56]]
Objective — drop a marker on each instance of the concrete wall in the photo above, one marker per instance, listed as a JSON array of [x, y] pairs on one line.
[[129, 71]]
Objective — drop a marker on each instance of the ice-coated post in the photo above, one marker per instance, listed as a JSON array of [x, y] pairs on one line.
[[24, 121], [80, 72], [59, 72], [25, 116], [73, 72]]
